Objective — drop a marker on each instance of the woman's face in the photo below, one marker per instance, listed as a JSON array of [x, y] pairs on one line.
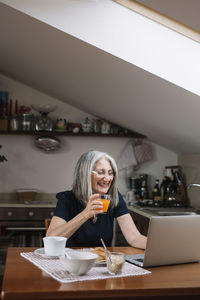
[[102, 176]]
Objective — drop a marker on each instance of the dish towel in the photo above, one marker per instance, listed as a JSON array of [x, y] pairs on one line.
[[127, 158], [143, 151], [134, 153], [56, 270]]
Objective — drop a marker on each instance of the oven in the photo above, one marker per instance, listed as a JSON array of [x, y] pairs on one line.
[[25, 222], [22, 226]]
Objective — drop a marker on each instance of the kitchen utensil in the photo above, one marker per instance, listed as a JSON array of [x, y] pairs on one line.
[[48, 143], [87, 126], [105, 127], [44, 122], [130, 197], [107, 252]]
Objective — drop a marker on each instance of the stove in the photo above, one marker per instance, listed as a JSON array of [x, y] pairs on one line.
[[168, 204]]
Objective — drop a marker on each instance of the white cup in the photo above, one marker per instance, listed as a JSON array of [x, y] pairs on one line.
[[54, 245]]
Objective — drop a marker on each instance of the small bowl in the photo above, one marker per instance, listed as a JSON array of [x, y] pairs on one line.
[[78, 262]]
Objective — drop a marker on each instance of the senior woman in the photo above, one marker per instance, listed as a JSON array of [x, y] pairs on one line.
[[76, 216]]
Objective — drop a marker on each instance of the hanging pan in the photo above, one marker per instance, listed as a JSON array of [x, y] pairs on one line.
[[47, 143]]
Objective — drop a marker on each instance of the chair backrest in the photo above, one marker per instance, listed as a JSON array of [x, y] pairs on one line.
[[46, 223]]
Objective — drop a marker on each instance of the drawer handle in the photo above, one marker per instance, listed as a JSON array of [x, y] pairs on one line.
[[10, 213], [31, 214]]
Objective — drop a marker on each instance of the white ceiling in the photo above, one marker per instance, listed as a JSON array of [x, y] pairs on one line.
[[97, 82]]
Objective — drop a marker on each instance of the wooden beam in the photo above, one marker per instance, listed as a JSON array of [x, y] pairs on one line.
[[160, 18]]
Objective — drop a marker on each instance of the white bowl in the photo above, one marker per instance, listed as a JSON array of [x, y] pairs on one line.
[[78, 262]]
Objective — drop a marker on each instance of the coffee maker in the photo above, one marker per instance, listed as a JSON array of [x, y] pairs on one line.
[[132, 195], [138, 189], [144, 193]]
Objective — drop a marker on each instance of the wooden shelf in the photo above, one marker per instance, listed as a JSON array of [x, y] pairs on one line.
[[68, 133]]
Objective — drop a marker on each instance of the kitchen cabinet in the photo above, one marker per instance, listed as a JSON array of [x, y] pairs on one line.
[[141, 222]]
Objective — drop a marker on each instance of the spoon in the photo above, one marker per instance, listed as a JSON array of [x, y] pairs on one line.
[[107, 252], [67, 255]]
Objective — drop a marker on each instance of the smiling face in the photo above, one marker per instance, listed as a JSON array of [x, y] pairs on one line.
[[102, 176]]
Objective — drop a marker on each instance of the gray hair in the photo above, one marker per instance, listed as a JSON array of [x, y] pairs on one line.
[[82, 182]]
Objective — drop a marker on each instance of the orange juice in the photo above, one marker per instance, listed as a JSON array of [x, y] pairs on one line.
[[105, 203]]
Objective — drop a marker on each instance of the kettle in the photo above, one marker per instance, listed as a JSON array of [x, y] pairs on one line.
[[130, 197]]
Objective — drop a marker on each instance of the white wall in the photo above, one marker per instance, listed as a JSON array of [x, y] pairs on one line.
[[29, 167]]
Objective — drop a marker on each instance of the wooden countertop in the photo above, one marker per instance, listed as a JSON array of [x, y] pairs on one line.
[[23, 280]]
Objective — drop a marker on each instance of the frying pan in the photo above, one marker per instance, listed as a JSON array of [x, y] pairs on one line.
[[48, 143]]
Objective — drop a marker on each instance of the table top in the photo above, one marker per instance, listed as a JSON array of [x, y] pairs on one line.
[[24, 280]]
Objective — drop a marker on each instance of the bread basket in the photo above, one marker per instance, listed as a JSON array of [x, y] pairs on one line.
[[26, 195]]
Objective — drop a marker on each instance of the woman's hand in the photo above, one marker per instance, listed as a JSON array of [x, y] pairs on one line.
[[92, 205]]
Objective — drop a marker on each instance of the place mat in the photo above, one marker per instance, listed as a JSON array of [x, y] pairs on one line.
[[55, 269]]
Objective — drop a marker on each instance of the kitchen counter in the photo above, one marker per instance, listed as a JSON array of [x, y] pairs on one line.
[[142, 215], [148, 212], [10, 200], [29, 205]]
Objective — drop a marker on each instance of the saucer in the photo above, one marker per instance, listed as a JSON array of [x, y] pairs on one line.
[[41, 252]]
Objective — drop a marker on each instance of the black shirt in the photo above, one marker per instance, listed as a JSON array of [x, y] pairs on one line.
[[89, 234]]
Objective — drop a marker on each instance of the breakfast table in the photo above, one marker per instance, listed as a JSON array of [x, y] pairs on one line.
[[25, 279]]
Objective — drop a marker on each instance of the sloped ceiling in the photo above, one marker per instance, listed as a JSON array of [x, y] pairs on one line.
[[97, 82]]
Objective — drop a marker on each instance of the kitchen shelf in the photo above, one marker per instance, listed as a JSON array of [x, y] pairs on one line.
[[68, 133]]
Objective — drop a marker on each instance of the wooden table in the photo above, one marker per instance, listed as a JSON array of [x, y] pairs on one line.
[[24, 281]]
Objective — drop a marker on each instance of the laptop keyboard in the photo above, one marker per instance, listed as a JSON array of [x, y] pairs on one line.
[[135, 258], [139, 259]]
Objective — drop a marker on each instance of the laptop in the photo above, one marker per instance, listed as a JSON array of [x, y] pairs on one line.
[[170, 240]]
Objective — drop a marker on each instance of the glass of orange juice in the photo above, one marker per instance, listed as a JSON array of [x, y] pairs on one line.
[[105, 199]]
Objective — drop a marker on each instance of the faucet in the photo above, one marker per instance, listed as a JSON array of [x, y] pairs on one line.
[[193, 184]]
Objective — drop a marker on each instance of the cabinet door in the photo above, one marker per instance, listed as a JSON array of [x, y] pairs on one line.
[[142, 224]]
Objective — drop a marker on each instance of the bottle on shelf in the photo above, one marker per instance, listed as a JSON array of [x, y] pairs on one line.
[[156, 193], [14, 119], [173, 196], [180, 187], [176, 190], [4, 118], [163, 187], [4, 110]]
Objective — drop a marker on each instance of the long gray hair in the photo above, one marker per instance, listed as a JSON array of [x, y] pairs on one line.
[[82, 182]]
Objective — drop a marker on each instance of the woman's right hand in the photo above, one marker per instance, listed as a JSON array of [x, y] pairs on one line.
[[92, 206]]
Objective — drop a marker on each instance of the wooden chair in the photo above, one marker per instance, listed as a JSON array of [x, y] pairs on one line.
[[46, 223]]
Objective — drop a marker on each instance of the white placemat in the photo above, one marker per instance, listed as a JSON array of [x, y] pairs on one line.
[[55, 269]]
